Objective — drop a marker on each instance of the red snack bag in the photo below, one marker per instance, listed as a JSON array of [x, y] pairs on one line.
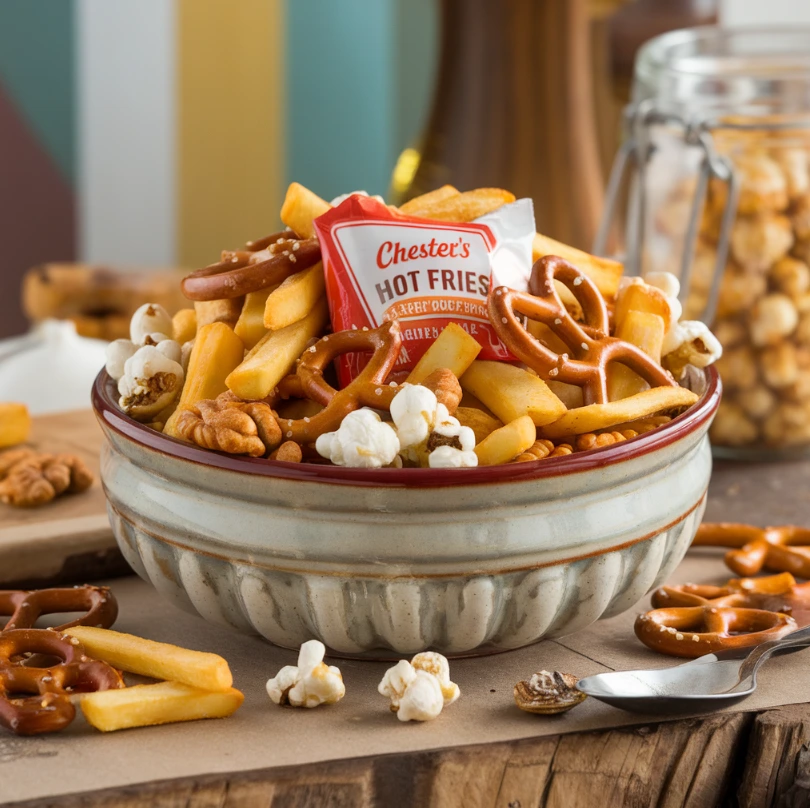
[[380, 265]]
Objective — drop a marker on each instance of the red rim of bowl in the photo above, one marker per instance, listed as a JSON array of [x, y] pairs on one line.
[[108, 413]]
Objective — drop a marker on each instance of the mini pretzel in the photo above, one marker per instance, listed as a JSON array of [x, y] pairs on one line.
[[264, 263], [692, 631], [24, 608], [368, 389], [778, 549], [589, 344], [48, 707]]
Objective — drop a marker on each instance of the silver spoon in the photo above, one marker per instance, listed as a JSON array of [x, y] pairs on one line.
[[706, 683]]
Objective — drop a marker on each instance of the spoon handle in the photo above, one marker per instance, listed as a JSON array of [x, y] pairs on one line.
[[796, 639]]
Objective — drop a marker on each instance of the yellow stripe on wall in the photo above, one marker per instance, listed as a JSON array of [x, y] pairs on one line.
[[230, 124]]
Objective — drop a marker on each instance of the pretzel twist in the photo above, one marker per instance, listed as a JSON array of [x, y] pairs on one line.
[[591, 349], [692, 631], [264, 263], [367, 389], [24, 608], [48, 708]]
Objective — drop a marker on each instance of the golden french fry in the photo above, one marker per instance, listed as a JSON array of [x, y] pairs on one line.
[[158, 660], [416, 206], [477, 420], [511, 392], [569, 394], [218, 311], [506, 443], [216, 352], [184, 325], [15, 423], [642, 297], [602, 271], [540, 331], [300, 209], [467, 206], [646, 331], [160, 703], [275, 354], [294, 299], [594, 417], [250, 327], [454, 349]]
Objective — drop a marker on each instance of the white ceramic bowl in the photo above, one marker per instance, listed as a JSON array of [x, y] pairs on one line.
[[464, 561]]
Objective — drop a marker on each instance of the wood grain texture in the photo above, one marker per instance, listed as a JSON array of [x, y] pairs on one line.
[[728, 759]]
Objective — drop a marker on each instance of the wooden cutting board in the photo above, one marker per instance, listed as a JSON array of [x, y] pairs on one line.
[[69, 539]]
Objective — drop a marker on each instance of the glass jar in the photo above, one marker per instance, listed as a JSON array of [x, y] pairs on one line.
[[717, 162]]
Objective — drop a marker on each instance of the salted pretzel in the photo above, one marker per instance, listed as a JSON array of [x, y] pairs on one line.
[[47, 707], [367, 389], [591, 349], [778, 549], [23, 608], [692, 631], [262, 263]]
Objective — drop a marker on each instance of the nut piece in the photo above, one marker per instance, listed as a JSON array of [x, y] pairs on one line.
[[419, 689], [548, 693], [228, 424], [309, 684], [38, 479], [288, 452]]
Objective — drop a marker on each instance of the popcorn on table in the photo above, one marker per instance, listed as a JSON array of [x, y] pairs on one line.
[[311, 683], [361, 441], [419, 689]]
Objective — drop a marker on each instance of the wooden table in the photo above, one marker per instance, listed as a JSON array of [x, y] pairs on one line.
[[746, 759]]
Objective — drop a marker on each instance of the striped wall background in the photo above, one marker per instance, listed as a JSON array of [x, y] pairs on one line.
[[157, 132]]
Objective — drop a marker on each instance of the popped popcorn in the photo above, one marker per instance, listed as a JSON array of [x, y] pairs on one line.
[[149, 319], [363, 440], [309, 684], [419, 689], [151, 381]]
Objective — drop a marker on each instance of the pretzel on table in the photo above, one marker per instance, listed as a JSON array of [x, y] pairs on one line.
[[47, 707], [591, 348], [23, 608], [779, 549], [264, 263]]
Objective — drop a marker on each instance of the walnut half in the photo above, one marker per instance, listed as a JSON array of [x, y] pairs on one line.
[[38, 478]]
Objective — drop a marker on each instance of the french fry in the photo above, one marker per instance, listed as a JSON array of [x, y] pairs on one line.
[[416, 206], [594, 417], [646, 331], [300, 209], [510, 392], [274, 355], [184, 325], [540, 331], [569, 394], [160, 703], [467, 206], [294, 299], [477, 420], [216, 352], [454, 349], [506, 443], [250, 327], [15, 424], [218, 311], [158, 660], [645, 298], [602, 271]]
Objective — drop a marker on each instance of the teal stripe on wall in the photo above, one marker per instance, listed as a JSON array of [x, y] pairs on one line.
[[37, 41]]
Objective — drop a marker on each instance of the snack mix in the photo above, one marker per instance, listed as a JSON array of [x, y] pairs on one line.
[[426, 338]]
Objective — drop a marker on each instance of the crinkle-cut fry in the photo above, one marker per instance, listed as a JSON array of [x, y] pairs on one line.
[[453, 349], [467, 206], [480, 422], [216, 352], [506, 443], [295, 298], [274, 356], [184, 325], [300, 209], [250, 327], [605, 273], [416, 206], [159, 703], [15, 424], [596, 417], [158, 660], [218, 311], [645, 330], [539, 450]]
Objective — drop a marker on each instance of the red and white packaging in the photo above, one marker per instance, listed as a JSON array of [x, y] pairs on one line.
[[380, 265]]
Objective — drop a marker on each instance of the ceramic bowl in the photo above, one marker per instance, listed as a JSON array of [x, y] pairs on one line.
[[370, 562]]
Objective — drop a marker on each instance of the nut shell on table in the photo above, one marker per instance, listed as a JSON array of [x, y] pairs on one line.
[[548, 693]]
